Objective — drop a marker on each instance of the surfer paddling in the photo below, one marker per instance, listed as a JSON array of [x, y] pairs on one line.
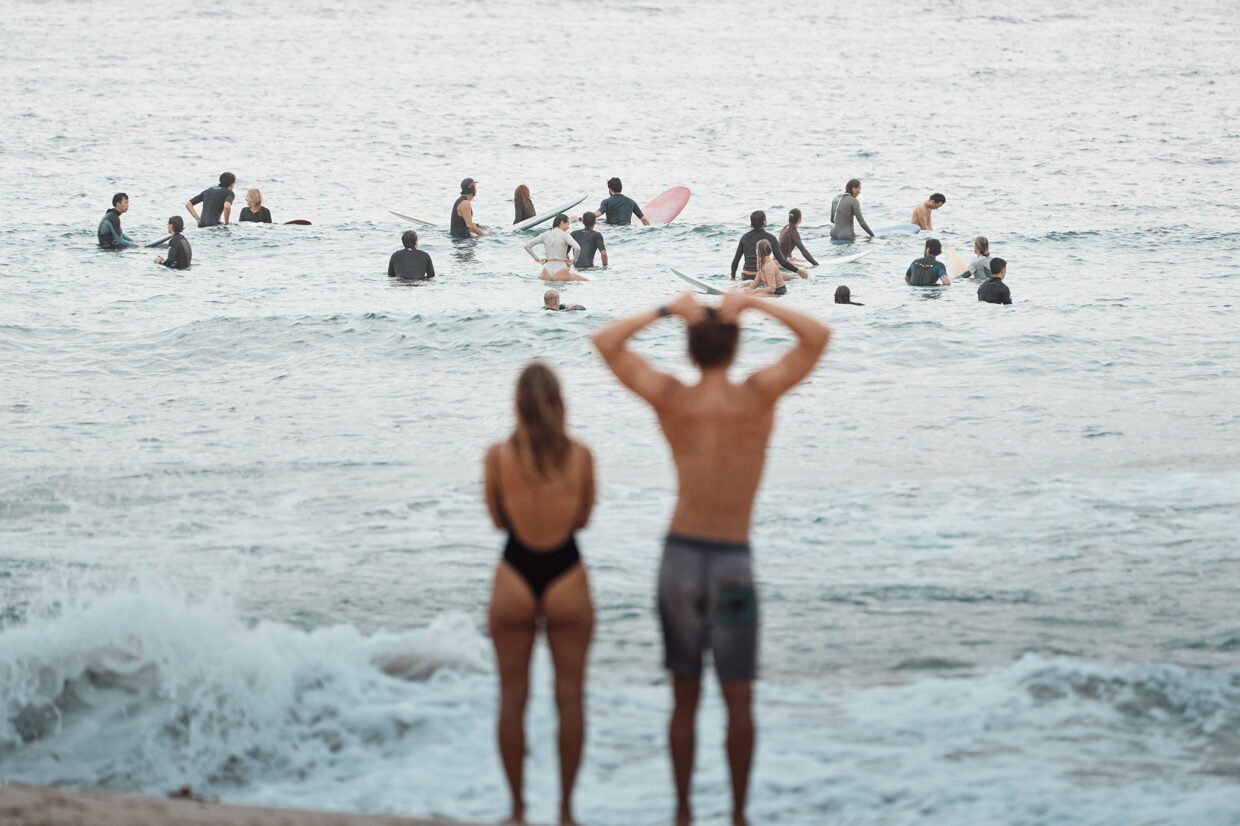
[[921, 214], [461, 224], [716, 429], [747, 248]]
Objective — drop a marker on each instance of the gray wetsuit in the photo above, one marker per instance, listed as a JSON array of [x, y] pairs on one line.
[[843, 213]]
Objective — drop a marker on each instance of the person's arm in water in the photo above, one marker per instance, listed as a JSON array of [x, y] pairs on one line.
[[197, 199], [392, 266], [574, 246], [634, 371], [736, 259], [812, 338], [860, 220], [466, 211], [587, 488], [227, 209], [638, 212], [602, 249], [784, 262], [908, 274], [800, 245], [430, 266]]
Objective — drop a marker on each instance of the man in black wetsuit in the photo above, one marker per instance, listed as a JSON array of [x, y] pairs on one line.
[[461, 224], [590, 240], [748, 248], [411, 263], [618, 208], [215, 200], [993, 290], [179, 253], [110, 235]]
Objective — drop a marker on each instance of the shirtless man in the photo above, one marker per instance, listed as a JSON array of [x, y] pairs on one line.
[[717, 430], [461, 224], [921, 214]]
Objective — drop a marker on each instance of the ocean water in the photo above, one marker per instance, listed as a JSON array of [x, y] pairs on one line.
[[242, 541]]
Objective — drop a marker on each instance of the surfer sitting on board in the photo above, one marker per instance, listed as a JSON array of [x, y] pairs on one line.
[[591, 240], [928, 270], [410, 263], [556, 243], [769, 279], [179, 252], [790, 237], [618, 208], [717, 430], [461, 225], [844, 209], [551, 301], [748, 245], [980, 268], [921, 214]]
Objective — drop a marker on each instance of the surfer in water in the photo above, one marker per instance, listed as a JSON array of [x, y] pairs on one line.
[[215, 200], [717, 430], [790, 237], [980, 268], [844, 209], [769, 279], [921, 214], [993, 290], [179, 252], [747, 248], [928, 271], [461, 224], [540, 489], [110, 235], [556, 243], [254, 211], [619, 208], [523, 205], [410, 263], [843, 295], [591, 241], [551, 301]]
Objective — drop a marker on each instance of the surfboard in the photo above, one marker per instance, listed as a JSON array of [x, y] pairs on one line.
[[897, 229], [301, 222], [847, 258], [160, 242], [701, 285], [530, 223], [665, 208], [955, 263], [411, 218]]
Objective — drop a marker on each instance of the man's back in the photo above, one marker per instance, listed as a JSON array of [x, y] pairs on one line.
[[620, 209], [994, 291], [925, 272], [590, 241], [212, 200]]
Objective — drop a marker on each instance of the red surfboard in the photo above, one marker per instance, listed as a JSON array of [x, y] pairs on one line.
[[302, 221], [663, 209]]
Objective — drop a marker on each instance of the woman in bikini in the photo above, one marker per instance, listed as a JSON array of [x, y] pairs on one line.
[[769, 280], [540, 489], [556, 246]]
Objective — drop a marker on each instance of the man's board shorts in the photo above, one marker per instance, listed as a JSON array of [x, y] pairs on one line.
[[707, 601]]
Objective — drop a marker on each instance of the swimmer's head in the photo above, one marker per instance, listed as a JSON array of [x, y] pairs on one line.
[[118, 198], [712, 343], [853, 184], [409, 239], [981, 246], [588, 220], [998, 267], [228, 179], [614, 185], [757, 219], [794, 216], [254, 198], [560, 221], [551, 300], [176, 223], [933, 247], [843, 295], [937, 200]]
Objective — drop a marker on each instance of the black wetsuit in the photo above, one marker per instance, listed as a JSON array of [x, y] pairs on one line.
[[411, 265], [457, 227], [110, 235], [994, 291], [179, 253], [620, 209], [212, 200], [590, 241], [748, 248], [522, 212], [263, 216]]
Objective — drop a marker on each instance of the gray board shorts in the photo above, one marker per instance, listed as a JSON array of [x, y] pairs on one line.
[[707, 601]]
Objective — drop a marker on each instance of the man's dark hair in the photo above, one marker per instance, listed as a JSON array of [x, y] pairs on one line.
[[614, 185], [933, 247], [843, 295], [997, 265], [588, 219], [118, 197], [938, 198], [409, 239], [757, 219], [712, 343], [228, 179], [177, 223], [852, 184], [559, 219]]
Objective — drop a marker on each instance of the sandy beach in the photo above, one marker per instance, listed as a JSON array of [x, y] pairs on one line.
[[41, 806]]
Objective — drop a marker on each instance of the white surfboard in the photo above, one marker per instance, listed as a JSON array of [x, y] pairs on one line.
[[529, 223], [701, 285], [411, 218], [846, 259]]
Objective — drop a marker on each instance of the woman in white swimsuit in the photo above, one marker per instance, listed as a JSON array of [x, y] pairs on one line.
[[556, 244]]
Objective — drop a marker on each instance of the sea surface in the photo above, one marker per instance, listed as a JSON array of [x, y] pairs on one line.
[[242, 539]]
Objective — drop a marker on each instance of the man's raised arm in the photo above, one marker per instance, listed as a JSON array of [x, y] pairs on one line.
[[634, 371], [812, 337]]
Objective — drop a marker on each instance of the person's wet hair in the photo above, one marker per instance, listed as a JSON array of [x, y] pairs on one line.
[[118, 197], [997, 265], [843, 295], [934, 247], [712, 343], [177, 223], [757, 219], [938, 198], [588, 220], [551, 300], [852, 184], [256, 195], [409, 239], [794, 216], [981, 246], [228, 179], [560, 219], [763, 252], [614, 185], [539, 439]]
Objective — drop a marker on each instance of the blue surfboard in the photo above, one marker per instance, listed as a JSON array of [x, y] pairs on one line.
[[897, 229]]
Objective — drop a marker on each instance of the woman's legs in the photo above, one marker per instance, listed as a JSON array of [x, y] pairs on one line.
[[511, 619], [570, 623]]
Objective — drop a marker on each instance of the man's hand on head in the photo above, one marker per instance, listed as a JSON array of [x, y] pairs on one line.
[[687, 307]]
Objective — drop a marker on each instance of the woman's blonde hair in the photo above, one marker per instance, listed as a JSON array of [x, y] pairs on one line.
[[764, 253], [258, 196], [540, 440]]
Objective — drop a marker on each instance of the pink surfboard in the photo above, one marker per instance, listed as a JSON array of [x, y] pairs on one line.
[[663, 209]]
